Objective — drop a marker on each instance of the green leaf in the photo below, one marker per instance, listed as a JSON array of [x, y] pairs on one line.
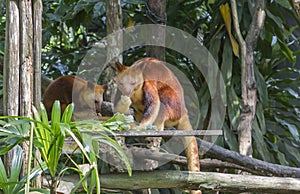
[[284, 3], [261, 118], [291, 127], [226, 67], [258, 141], [261, 87], [3, 177], [288, 53], [16, 165], [55, 116], [291, 151], [44, 114], [67, 115], [99, 9], [230, 138], [277, 20], [119, 150], [53, 17], [134, 2], [233, 108], [211, 76]]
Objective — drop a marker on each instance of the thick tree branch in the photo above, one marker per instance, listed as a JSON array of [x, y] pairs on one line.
[[266, 168], [200, 180], [246, 163], [206, 164], [248, 82]]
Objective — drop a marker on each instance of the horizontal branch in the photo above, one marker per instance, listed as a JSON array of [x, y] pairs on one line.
[[200, 180], [165, 133], [206, 164], [252, 165], [223, 154]]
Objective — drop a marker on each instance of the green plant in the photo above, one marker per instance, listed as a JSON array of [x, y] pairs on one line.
[[91, 133], [50, 137], [12, 184]]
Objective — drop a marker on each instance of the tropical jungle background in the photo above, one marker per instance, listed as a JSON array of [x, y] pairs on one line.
[[72, 27]]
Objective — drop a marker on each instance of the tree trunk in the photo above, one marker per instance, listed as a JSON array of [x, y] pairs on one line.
[[114, 44], [37, 51], [11, 66], [37, 61], [248, 81], [26, 69], [156, 13], [21, 38]]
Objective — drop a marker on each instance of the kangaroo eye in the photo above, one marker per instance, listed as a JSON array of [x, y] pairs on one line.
[[96, 101]]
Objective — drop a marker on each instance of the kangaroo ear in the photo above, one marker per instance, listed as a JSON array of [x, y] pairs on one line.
[[120, 67]]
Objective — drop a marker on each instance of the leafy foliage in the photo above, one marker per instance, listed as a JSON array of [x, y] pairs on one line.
[[276, 127], [71, 27], [49, 137], [12, 184]]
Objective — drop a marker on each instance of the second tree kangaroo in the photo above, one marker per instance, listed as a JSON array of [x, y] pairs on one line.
[[157, 99], [86, 96]]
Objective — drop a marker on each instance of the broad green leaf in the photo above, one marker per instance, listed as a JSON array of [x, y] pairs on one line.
[[261, 87], [277, 20], [67, 115], [233, 108], [292, 92], [284, 3], [3, 176], [230, 138], [258, 141], [212, 75], [281, 157], [53, 17], [16, 165], [261, 118], [44, 115], [287, 52], [99, 9], [291, 127], [55, 116], [291, 151], [226, 67]]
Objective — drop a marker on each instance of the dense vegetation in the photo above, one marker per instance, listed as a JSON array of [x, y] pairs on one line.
[[70, 28]]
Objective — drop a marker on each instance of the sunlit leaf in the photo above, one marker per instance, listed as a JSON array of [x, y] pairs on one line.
[[226, 14]]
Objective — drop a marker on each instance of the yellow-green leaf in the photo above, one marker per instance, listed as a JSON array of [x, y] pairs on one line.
[[226, 15]]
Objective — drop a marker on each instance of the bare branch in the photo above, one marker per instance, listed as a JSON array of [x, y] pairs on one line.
[[200, 180], [266, 168]]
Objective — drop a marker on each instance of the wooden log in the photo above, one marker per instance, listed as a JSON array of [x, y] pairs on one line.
[[223, 154], [200, 180]]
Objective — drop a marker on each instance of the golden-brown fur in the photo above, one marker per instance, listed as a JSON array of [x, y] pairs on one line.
[[86, 96], [157, 98]]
